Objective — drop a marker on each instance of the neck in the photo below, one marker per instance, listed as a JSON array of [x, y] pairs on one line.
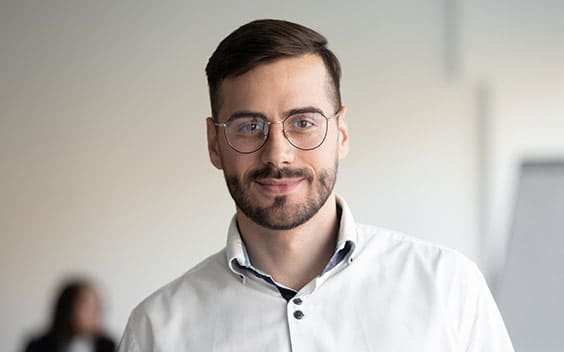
[[293, 257]]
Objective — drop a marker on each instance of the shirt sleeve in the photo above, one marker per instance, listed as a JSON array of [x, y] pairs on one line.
[[128, 342], [482, 327]]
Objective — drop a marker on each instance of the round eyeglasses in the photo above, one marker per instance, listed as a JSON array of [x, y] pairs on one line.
[[247, 133]]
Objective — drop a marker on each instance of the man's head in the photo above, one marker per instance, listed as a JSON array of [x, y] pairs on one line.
[[280, 174], [265, 41]]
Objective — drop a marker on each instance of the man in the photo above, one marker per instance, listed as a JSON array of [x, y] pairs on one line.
[[297, 273]]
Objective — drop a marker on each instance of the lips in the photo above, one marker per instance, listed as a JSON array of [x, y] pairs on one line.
[[277, 185]]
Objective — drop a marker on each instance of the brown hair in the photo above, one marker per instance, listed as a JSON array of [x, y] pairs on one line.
[[264, 41]]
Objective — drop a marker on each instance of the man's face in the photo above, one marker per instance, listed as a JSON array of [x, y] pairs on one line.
[[280, 187]]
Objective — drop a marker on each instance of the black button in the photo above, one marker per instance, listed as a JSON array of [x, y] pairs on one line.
[[298, 314], [298, 301]]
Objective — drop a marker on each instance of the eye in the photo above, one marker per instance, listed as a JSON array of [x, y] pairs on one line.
[[302, 122], [247, 126]]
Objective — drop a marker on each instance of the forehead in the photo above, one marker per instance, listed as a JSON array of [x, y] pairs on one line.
[[282, 85]]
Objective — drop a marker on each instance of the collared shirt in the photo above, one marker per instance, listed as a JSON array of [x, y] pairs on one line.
[[391, 292], [239, 258]]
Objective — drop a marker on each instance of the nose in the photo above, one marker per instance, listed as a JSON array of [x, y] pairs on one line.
[[277, 150]]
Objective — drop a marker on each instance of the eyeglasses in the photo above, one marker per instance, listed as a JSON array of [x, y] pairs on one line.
[[305, 130]]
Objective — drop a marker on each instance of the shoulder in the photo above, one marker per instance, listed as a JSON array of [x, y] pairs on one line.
[[177, 304], [398, 249], [39, 343], [439, 277], [105, 344], [207, 276], [390, 241], [418, 265]]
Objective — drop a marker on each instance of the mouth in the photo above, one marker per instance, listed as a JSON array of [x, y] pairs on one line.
[[278, 186]]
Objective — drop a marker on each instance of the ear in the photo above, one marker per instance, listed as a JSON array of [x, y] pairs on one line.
[[343, 133], [213, 143]]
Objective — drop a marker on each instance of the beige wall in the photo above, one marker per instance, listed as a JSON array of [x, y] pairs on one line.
[[104, 169]]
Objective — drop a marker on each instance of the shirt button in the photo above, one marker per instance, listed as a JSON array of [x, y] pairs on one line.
[[298, 314], [297, 301]]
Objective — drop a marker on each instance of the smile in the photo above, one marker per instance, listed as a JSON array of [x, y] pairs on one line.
[[277, 185]]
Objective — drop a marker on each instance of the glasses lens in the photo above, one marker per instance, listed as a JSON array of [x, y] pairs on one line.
[[246, 134], [306, 130]]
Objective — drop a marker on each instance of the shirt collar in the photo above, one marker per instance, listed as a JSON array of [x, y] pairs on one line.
[[236, 251], [347, 227]]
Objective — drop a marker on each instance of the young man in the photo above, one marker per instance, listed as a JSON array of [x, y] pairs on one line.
[[297, 273]]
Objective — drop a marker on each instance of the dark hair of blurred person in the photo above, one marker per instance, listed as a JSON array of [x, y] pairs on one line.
[[75, 324]]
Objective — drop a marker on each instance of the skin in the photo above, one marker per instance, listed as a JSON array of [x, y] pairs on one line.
[[87, 312], [296, 255]]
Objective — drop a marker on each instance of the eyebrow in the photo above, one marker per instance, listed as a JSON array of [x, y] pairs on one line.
[[302, 110], [241, 114]]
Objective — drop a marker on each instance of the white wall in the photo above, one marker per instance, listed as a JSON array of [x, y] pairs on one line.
[[104, 169], [515, 49]]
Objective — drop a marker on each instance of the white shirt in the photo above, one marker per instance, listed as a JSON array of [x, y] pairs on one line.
[[80, 344], [391, 293]]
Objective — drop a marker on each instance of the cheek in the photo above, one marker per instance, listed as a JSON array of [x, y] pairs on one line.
[[238, 164], [326, 155]]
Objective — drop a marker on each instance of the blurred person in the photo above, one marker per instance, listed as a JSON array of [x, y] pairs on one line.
[[75, 324], [298, 273]]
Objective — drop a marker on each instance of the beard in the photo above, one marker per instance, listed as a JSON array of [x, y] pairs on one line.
[[280, 215]]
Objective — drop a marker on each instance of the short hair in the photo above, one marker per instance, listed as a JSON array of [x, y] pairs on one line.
[[264, 41]]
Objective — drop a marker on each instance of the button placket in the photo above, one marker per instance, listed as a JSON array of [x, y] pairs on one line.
[[298, 313], [299, 322]]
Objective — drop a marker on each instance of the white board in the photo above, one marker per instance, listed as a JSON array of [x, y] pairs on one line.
[[531, 293]]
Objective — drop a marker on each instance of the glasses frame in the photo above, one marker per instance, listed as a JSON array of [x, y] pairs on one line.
[[268, 123]]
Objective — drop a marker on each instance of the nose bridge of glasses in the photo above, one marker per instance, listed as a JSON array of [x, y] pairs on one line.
[[279, 122], [272, 136]]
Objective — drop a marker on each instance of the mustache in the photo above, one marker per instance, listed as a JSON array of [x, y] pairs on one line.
[[270, 171]]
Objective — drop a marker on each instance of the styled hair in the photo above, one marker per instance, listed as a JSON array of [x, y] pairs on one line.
[[264, 41]]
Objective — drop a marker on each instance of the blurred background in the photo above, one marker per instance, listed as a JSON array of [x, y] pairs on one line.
[[455, 111]]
